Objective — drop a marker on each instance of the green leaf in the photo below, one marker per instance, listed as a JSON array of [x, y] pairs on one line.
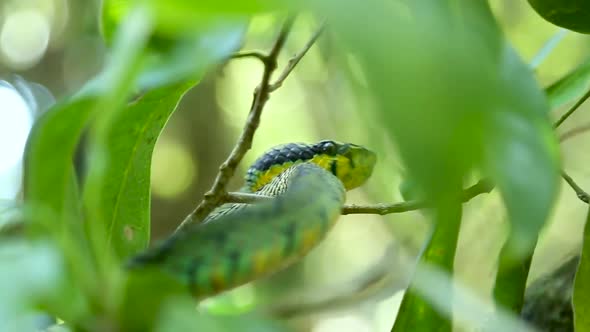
[[570, 87], [415, 311], [521, 158], [188, 57], [455, 99], [124, 183], [522, 161], [570, 14], [117, 190], [581, 301], [433, 72], [49, 175]]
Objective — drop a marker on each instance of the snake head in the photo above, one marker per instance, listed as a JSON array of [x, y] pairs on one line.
[[351, 163]]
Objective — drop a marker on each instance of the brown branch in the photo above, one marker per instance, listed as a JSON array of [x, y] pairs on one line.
[[215, 195], [295, 59]]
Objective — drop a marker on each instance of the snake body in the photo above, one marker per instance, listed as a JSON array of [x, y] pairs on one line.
[[238, 243]]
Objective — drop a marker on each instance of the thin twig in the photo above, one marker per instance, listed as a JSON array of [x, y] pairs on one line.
[[582, 195], [250, 54], [574, 132], [295, 59], [572, 109], [215, 195]]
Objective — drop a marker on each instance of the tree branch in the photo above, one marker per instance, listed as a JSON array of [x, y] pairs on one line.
[[215, 195], [572, 109], [483, 186], [250, 54]]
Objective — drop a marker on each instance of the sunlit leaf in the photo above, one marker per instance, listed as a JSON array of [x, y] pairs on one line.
[[570, 87], [581, 301], [180, 55], [177, 17]]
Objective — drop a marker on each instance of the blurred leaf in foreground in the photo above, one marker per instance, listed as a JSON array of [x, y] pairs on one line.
[[456, 99]]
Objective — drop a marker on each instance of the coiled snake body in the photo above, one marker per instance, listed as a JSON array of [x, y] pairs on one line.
[[238, 243]]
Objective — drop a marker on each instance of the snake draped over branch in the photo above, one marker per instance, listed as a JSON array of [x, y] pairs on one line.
[[238, 243]]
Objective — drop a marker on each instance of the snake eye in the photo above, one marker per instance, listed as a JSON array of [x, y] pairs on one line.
[[329, 148]]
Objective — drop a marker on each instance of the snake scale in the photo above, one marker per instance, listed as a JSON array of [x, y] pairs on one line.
[[238, 243]]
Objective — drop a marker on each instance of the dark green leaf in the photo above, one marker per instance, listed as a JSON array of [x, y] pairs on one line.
[[581, 301], [570, 14], [415, 311], [570, 87]]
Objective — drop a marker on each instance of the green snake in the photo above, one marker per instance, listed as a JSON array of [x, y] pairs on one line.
[[238, 243]]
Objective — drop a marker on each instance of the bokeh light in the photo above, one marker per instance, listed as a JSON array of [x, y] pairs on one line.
[[343, 323], [24, 37], [173, 169]]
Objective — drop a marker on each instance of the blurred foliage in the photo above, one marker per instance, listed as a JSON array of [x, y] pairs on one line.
[[436, 87]]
